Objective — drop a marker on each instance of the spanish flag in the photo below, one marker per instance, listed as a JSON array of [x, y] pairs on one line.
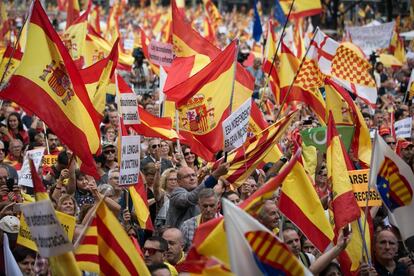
[[301, 8], [210, 238], [138, 195], [48, 77], [270, 67], [94, 19], [203, 101], [344, 205], [144, 45], [245, 159], [14, 58], [306, 86], [213, 14], [63, 264], [72, 12], [106, 248], [98, 77]]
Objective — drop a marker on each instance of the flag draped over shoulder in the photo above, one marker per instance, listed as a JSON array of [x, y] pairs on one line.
[[344, 65], [394, 180], [203, 101], [245, 159], [210, 237], [344, 205], [48, 77], [254, 250], [107, 249], [97, 78]]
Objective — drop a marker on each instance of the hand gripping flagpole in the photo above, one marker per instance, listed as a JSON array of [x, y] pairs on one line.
[[232, 86], [296, 75]]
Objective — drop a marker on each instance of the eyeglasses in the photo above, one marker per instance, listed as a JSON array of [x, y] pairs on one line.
[[188, 153], [109, 151], [151, 251], [155, 146], [270, 121], [391, 143]]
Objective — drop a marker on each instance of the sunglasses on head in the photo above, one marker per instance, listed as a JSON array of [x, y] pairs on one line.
[[109, 151]]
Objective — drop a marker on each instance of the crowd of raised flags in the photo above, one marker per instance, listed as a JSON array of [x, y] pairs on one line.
[[119, 154]]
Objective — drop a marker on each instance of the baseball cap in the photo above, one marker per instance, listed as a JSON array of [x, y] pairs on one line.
[[10, 224]]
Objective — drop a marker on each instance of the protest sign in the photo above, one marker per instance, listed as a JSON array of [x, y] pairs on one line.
[[45, 229], [403, 128], [49, 160], [372, 38], [129, 108], [25, 176], [160, 53], [235, 127], [317, 136], [130, 160], [359, 182], [25, 237]]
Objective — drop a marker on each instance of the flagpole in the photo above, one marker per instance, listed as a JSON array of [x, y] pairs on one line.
[[232, 86], [279, 43], [296, 75], [15, 46]]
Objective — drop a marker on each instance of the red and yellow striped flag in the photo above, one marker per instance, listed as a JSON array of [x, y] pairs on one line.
[[203, 101], [107, 249], [245, 159], [270, 67], [14, 62], [344, 205], [301, 8], [63, 264], [139, 199], [144, 45], [48, 77], [72, 13], [98, 77]]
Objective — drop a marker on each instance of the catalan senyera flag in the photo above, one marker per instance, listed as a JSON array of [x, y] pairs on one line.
[[210, 237], [14, 58], [138, 195], [297, 198], [269, 67], [97, 78], [48, 77], [301, 8], [344, 205], [107, 249], [394, 180], [63, 264], [306, 86], [72, 12], [75, 35], [245, 159], [203, 100], [254, 249], [361, 142], [344, 65]]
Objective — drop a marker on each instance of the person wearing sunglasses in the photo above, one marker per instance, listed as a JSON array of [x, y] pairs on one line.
[[109, 152], [154, 251], [154, 155]]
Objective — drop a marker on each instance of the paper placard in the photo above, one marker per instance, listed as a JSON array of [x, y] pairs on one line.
[[359, 181], [49, 160], [235, 127], [25, 176], [46, 230], [403, 128], [129, 108], [25, 237], [160, 53], [130, 160]]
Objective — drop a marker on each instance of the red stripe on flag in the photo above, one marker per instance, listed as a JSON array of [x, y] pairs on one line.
[[91, 258], [107, 269]]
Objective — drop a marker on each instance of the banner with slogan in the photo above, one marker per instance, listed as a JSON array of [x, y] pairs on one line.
[[25, 237], [128, 106], [45, 229], [161, 53], [235, 127], [403, 128], [372, 38], [49, 160], [25, 177], [359, 181], [317, 136], [130, 160]]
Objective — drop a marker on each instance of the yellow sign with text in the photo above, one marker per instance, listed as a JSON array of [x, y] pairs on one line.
[[359, 181], [49, 160], [25, 238]]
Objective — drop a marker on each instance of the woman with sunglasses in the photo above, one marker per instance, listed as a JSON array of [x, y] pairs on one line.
[[191, 159]]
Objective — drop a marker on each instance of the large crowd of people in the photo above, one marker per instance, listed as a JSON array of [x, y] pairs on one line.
[[183, 191]]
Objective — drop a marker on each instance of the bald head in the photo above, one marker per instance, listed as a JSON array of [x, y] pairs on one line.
[[175, 240]]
